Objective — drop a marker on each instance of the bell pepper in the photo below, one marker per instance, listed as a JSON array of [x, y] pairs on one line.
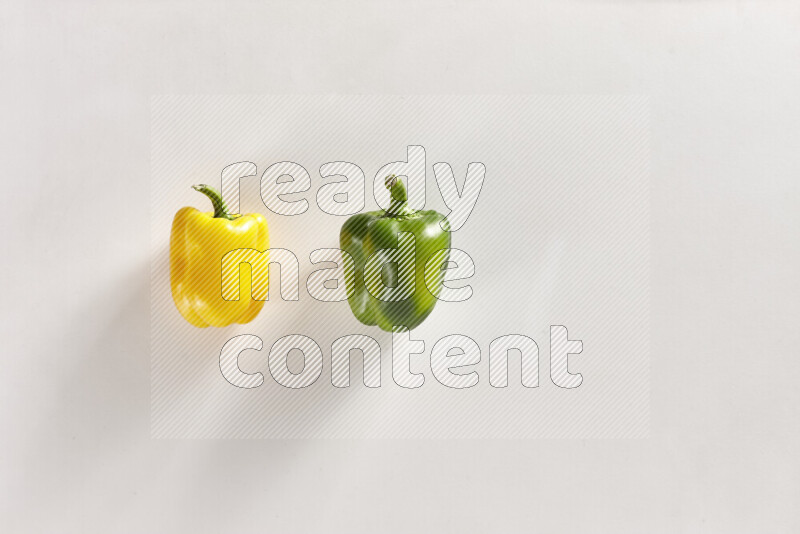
[[394, 291], [198, 243]]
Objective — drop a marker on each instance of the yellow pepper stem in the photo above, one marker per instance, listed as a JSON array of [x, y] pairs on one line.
[[220, 209]]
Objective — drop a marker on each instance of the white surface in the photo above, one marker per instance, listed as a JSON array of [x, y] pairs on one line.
[[723, 82]]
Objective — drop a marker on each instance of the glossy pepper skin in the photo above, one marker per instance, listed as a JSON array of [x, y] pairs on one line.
[[374, 232], [198, 243]]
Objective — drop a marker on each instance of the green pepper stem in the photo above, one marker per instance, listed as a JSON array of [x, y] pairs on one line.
[[397, 189], [220, 209]]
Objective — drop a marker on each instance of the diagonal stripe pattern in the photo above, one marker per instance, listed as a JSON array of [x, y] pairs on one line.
[[560, 235]]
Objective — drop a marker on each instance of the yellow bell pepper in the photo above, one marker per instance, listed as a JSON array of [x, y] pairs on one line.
[[198, 243]]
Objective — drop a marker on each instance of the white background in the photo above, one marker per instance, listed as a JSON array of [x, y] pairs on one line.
[[723, 80]]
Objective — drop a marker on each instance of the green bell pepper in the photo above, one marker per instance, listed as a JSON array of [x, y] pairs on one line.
[[394, 291]]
